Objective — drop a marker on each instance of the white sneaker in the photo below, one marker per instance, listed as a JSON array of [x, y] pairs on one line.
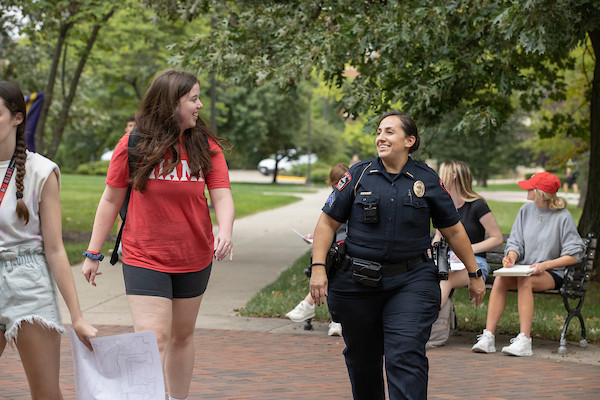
[[520, 346], [485, 343], [302, 312], [335, 329]]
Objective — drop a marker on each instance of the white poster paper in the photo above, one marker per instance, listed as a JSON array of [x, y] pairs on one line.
[[121, 367]]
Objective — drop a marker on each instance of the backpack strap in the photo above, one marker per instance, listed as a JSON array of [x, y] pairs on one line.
[[134, 139]]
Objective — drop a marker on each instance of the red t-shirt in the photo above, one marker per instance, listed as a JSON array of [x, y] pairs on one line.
[[168, 226]]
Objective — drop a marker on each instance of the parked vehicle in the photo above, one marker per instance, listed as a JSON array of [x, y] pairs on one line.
[[106, 156], [286, 163]]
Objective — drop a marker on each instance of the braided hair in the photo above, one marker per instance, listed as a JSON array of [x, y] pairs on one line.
[[15, 102]]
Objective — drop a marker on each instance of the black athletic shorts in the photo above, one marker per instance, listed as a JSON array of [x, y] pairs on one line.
[[572, 179], [147, 282], [558, 281]]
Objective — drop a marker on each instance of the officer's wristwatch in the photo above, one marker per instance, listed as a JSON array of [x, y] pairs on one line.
[[476, 274]]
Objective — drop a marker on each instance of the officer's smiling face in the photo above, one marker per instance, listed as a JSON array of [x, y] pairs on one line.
[[391, 141]]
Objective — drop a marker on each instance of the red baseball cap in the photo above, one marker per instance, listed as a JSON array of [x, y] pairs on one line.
[[544, 181]]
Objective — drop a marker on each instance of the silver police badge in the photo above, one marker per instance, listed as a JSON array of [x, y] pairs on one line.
[[419, 188]]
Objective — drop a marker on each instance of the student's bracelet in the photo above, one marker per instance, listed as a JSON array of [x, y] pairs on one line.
[[90, 254], [313, 264]]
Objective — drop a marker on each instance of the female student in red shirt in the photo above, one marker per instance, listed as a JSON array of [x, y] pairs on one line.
[[168, 243]]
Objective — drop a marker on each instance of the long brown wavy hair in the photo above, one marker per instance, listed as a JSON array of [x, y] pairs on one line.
[[159, 130], [14, 101]]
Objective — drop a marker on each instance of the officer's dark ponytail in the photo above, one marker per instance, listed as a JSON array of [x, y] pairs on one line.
[[408, 126]]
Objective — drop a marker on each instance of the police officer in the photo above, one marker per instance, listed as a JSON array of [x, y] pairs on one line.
[[386, 292]]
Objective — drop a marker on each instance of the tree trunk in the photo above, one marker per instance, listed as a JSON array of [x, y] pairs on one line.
[[49, 90], [275, 171], [64, 112], [590, 217]]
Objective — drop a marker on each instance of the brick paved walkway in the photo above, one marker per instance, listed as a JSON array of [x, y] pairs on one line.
[[261, 365]]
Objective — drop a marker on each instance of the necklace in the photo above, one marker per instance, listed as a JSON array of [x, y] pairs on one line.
[[541, 212]]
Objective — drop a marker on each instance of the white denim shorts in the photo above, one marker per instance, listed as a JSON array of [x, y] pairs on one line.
[[27, 291]]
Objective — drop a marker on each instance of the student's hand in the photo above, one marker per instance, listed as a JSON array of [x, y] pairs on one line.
[[90, 270], [308, 238], [223, 246], [538, 268], [507, 262], [318, 284], [85, 331]]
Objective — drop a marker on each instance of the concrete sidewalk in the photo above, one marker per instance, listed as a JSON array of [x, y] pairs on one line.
[[270, 358]]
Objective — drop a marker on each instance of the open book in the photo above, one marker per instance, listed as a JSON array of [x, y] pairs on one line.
[[515, 270]]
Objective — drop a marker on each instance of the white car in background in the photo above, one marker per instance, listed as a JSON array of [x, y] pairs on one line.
[[106, 156], [267, 166]]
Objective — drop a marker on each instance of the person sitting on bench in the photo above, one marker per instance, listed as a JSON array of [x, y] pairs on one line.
[[543, 236], [477, 219]]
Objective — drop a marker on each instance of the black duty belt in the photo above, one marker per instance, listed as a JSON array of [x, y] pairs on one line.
[[401, 267], [359, 265]]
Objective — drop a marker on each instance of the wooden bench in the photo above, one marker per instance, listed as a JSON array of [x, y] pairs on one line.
[[575, 285]]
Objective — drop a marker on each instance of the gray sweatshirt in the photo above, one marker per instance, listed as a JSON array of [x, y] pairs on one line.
[[541, 234]]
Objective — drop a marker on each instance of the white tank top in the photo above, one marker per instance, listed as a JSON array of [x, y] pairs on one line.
[[13, 231]]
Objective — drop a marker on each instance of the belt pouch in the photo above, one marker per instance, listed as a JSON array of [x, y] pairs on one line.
[[366, 273]]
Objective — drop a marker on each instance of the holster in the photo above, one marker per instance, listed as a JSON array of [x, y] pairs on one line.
[[336, 257]]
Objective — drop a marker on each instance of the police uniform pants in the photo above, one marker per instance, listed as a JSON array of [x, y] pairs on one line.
[[392, 321]]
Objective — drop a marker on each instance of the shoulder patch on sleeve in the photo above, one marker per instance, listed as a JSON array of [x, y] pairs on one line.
[[443, 186], [344, 180], [331, 199]]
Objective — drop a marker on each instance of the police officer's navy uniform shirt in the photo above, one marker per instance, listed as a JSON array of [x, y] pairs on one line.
[[405, 203]]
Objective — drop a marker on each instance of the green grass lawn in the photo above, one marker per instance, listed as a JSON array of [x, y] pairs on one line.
[[79, 199], [80, 195], [279, 297]]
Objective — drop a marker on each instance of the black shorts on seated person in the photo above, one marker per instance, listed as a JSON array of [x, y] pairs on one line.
[[558, 281], [147, 282]]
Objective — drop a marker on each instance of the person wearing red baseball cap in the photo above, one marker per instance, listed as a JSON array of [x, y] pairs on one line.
[[544, 181], [544, 237]]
